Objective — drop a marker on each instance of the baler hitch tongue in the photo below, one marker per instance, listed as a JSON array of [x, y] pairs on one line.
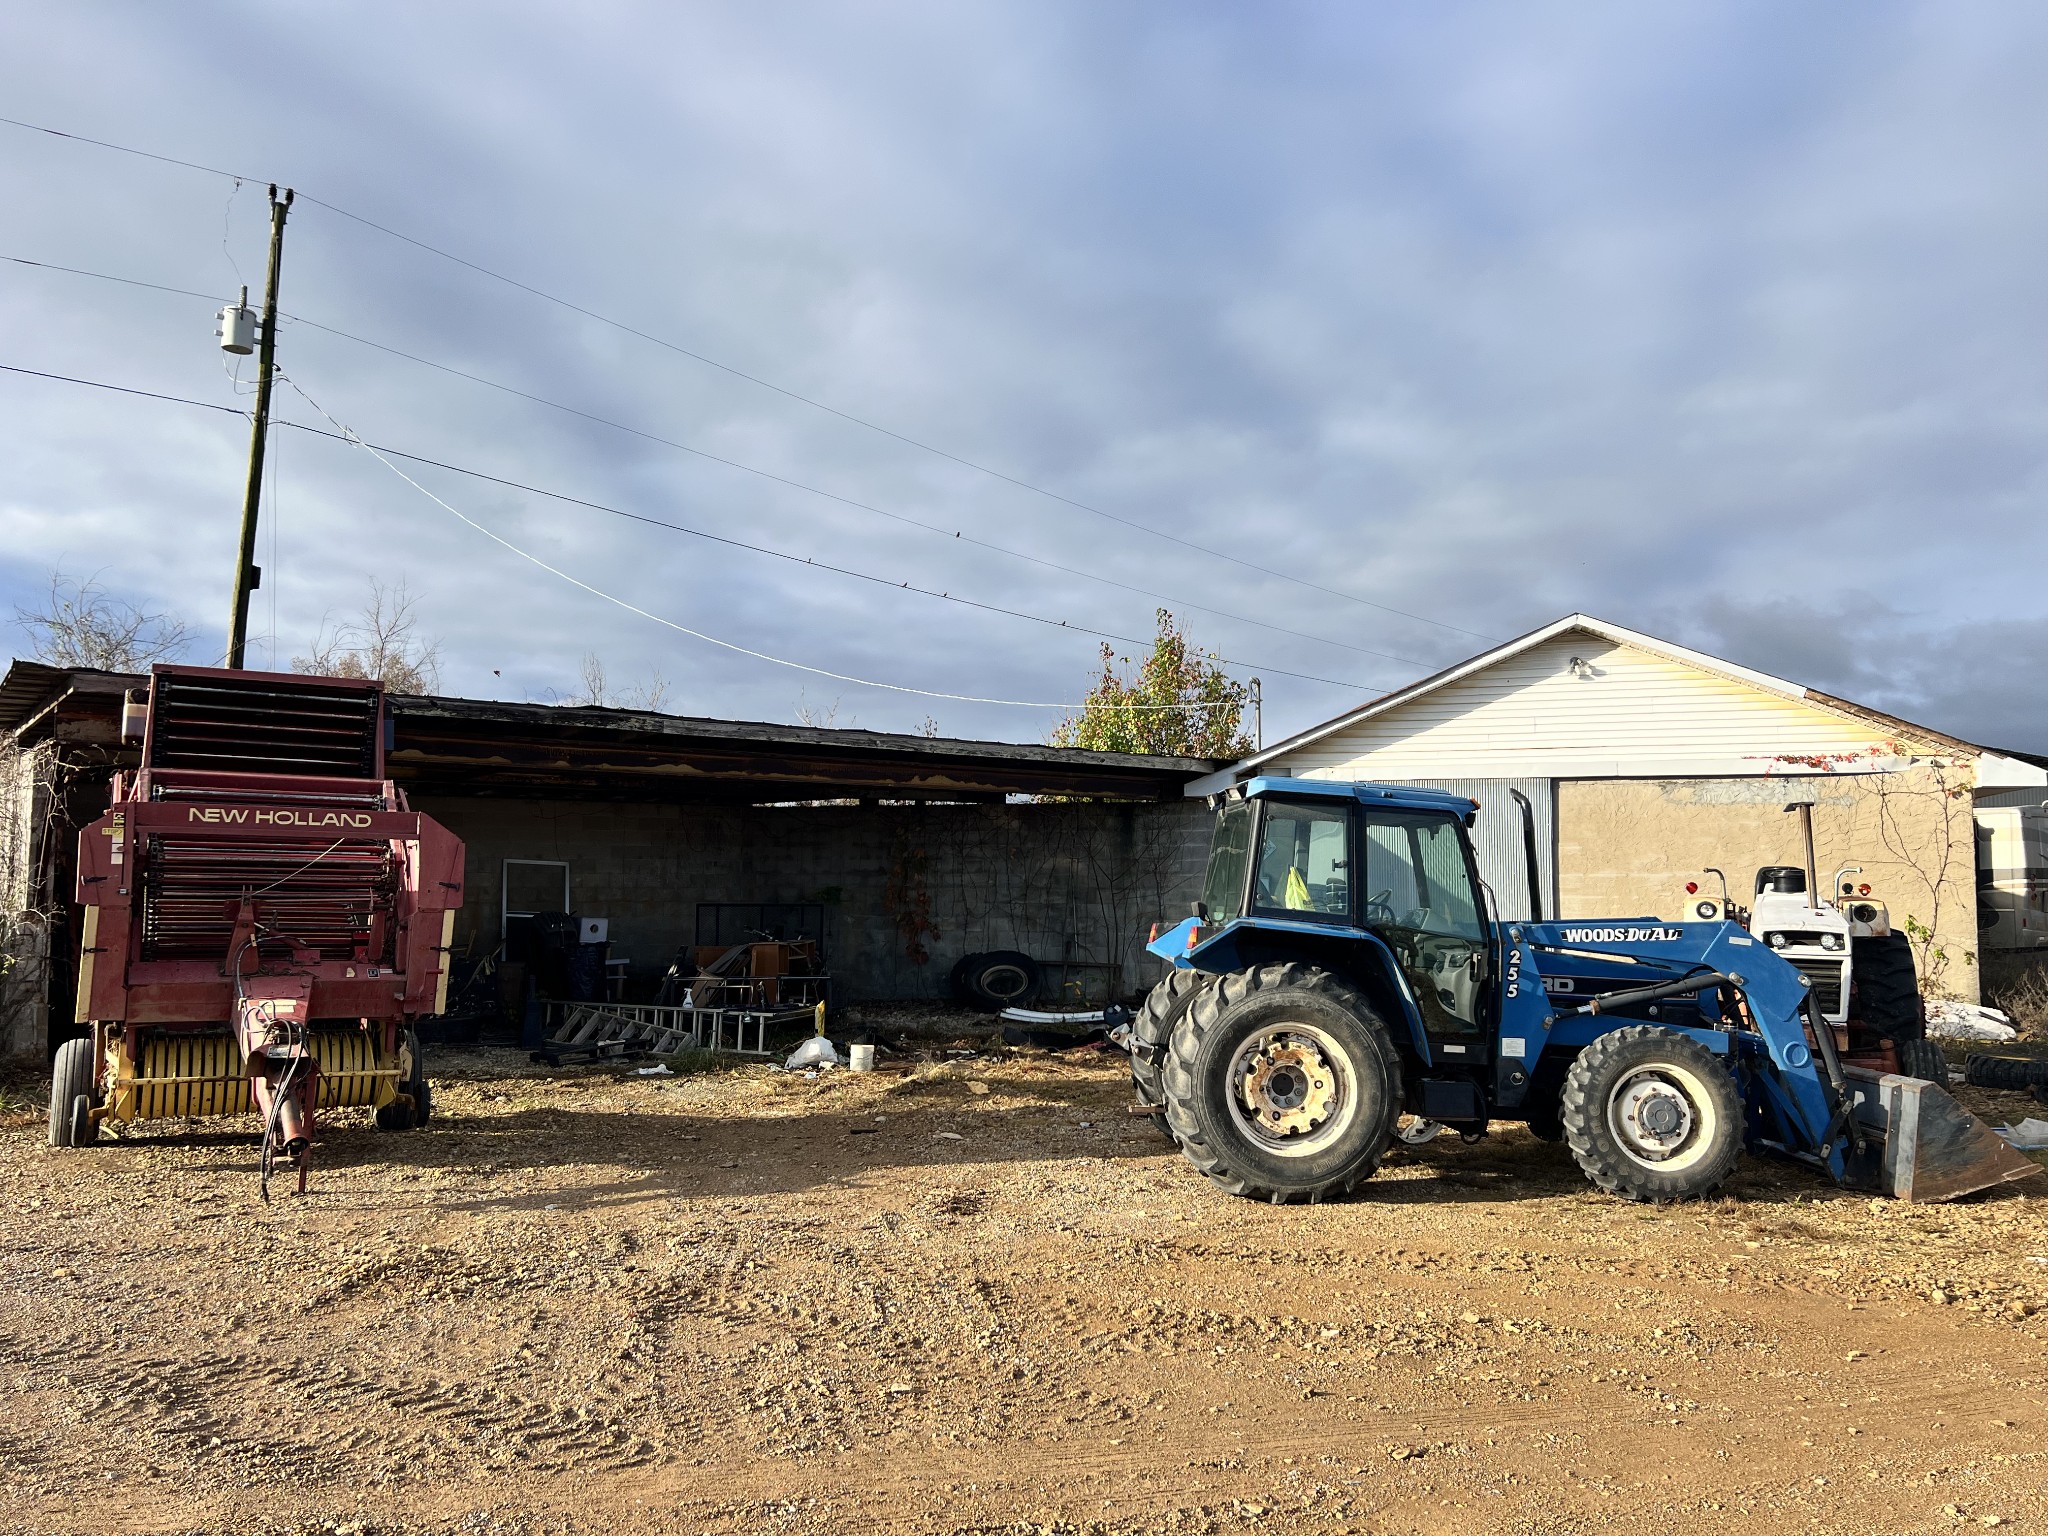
[[1926, 1146]]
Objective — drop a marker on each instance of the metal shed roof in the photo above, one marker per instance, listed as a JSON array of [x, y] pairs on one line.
[[451, 746]]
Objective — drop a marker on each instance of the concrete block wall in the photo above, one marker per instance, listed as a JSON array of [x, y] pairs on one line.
[[907, 889], [26, 780]]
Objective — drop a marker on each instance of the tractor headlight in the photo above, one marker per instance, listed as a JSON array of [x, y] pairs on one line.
[[1707, 909], [1831, 941], [1776, 941]]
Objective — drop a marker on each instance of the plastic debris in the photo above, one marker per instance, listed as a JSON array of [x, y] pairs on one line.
[[1967, 1021], [659, 1069], [1419, 1130], [814, 1052], [2029, 1135]]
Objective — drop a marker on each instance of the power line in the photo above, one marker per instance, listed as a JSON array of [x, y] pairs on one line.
[[349, 435], [815, 404], [344, 435], [956, 535]]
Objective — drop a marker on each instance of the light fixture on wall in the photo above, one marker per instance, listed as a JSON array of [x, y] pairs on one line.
[[1582, 668]]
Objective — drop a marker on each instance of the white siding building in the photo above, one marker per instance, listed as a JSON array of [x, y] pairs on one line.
[[1647, 762]]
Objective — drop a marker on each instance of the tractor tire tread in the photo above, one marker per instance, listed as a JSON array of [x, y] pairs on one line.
[[1923, 1059], [1151, 1031], [1582, 1111], [1207, 1007]]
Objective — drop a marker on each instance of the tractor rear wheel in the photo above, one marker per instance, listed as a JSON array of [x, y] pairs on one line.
[[1887, 990], [1150, 1032], [71, 1080], [1282, 1084], [1651, 1114], [1923, 1059]]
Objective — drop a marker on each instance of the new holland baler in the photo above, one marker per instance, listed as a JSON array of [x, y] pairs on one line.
[[263, 917]]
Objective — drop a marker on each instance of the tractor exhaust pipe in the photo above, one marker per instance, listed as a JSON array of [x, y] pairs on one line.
[[1529, 855], [1805, 810]]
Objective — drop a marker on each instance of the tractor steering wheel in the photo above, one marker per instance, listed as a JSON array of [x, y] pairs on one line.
[[1378, 910]]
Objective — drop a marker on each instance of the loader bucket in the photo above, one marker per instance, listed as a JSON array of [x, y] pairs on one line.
[[1932, 1147]]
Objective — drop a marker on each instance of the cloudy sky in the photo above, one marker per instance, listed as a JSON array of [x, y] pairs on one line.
[[1725, 321]]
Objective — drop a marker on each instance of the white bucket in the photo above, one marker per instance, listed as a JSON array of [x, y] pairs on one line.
[[860, 1058]]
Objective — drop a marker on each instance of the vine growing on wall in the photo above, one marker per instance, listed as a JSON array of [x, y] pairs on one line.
[[1947, 831], [907, 899]]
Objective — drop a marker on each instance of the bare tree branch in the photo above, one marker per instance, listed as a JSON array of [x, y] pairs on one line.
[[383, 642], [80, 625]]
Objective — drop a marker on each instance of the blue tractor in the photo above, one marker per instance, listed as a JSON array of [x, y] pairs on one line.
[[1345, 969]]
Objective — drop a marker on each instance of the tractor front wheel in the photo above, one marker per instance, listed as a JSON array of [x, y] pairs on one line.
[[1651, 1114], [1152, 1029], [1282, 1084]]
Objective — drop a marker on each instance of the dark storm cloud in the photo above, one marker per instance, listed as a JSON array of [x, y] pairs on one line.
[[1721, 321]]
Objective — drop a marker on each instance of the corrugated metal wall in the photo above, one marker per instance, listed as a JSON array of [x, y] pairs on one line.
[[1497, 837]]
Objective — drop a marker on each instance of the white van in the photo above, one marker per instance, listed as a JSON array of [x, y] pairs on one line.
[[2012, 876]]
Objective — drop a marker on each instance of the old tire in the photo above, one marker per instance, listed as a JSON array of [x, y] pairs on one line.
[[999, 979], [1151, 1031], [1281, 1084], [71, 1079], [1651, 1114], [1923, 1059], [1887, 989]]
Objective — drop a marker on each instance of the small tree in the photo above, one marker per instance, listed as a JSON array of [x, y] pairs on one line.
[[80, 625], [383, 642], [1180, 704]]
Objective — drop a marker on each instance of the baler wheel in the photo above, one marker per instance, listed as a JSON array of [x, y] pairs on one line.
[[71, 1095], [1282, 1084], [1150, 1032], [401, 1117], [1652, 1115]]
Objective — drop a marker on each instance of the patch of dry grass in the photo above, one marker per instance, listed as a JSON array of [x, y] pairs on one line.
[[2018, 984]]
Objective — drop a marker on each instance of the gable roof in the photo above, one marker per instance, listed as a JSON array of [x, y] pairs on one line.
[[1614, 634]]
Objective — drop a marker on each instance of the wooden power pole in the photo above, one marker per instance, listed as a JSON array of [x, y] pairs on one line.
[[248, 576]]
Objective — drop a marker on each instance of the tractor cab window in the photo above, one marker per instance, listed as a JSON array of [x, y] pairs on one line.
[[1229, 854], [1420, 897], [1304, 867]]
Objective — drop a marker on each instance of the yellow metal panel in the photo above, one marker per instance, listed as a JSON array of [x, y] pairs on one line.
[[186, 1074], [446, 955], [87, 944]]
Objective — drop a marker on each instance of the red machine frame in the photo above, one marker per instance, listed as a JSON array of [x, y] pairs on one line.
[[184, 838]]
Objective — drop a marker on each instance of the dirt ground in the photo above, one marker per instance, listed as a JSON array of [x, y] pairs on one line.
[[980, 1298]]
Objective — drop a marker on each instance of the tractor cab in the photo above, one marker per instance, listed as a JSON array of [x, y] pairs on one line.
[[1307, 866]]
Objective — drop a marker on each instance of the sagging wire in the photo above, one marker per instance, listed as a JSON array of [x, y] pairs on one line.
[[349, 434]]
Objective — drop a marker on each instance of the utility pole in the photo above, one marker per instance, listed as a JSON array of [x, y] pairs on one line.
[[248, 575], [1258, 716]]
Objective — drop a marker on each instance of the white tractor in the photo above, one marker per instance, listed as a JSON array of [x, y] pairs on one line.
[[1859, 972]]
